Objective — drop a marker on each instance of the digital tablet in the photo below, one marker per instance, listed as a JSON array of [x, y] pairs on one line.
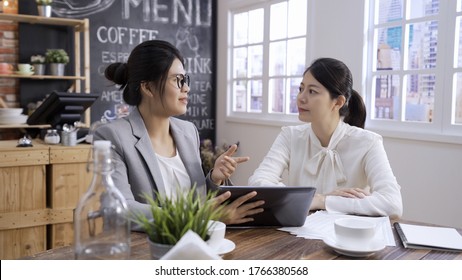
[[284, 206]]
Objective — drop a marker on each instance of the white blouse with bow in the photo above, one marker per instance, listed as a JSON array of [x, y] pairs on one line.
[[354, 158]]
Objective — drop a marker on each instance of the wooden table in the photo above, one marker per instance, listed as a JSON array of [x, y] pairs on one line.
[[269, 243]]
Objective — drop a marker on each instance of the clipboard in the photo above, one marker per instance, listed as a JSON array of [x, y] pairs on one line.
[[429, 237]]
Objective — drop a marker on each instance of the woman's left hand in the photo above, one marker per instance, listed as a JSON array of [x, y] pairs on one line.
[[225, 165], [240, 210], [352, 192], [319, 200]]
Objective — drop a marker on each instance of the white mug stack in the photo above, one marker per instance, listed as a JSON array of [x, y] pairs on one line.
[[12, 116]]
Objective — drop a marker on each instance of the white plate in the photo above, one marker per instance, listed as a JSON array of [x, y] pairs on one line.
[[373, 248], [13, 119], [24, 73], [225, 247], [4, 112]]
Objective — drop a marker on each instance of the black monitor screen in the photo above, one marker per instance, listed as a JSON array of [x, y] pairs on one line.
[[62, 107]]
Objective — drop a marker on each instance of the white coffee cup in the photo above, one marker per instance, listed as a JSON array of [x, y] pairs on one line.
[[216, 233], [354, 232], [25, 68]]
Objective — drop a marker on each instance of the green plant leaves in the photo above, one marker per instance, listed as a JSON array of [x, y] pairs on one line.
[[172, 218], [56, 56]]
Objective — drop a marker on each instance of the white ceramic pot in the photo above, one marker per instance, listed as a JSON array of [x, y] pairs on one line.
[[158, 250]]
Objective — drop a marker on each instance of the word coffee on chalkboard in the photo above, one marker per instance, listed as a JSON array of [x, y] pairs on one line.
[[116, 27]]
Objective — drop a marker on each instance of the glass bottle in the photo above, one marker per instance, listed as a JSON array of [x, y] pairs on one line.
[[101, 221], [93, 127]]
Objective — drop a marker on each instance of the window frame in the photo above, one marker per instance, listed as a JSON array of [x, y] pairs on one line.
[[442, 132], [264, 117], [440, 129]]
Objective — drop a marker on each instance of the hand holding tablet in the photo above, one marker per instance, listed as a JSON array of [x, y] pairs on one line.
[[284, 206]]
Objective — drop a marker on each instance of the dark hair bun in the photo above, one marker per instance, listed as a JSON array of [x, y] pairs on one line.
[[117, 72]]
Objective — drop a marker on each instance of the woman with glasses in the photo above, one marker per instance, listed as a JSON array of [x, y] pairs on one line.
[[153, 150]]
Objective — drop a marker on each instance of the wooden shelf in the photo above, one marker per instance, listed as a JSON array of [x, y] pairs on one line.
[[23, 125], [81, 70], [41, 77], [43, 20]]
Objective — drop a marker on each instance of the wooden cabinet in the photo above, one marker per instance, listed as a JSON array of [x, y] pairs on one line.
[[23, 211], [68, 179], [39, 188], [81, 50]]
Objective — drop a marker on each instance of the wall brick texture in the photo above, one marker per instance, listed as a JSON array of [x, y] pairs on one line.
[[9, 88]]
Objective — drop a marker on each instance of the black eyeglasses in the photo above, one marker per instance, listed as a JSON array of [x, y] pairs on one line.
[[181, 80]]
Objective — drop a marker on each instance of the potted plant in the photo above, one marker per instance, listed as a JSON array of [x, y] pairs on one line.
[[57, 58], [44, 7], [38, 61], [172, 218]]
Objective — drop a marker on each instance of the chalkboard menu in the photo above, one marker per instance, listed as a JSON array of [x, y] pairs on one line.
[[116, 27]]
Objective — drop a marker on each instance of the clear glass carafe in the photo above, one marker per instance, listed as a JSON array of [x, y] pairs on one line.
[[101, 219]]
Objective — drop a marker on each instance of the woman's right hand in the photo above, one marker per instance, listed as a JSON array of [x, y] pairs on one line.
[[238, 212], [225, 165]]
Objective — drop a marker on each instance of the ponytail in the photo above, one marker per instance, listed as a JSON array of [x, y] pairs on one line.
[[356, 115]]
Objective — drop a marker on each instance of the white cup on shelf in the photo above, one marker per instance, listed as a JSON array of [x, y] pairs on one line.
[[25, 68]]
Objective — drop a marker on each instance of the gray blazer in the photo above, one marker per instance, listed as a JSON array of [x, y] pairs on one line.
[[136, 167]]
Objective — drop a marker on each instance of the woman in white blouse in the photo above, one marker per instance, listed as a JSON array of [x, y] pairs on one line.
[[332, 152]]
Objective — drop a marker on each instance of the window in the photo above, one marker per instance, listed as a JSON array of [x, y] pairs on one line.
[[268, 57], [457, 61], [415, 66]]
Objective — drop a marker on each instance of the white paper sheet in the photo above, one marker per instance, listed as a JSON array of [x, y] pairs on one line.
[[320, 225]]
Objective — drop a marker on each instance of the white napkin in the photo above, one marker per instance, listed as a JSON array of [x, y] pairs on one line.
[[191, 247]]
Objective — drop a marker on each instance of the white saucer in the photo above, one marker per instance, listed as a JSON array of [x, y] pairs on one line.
[[225, 247], [24, 73], [374, 247]]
